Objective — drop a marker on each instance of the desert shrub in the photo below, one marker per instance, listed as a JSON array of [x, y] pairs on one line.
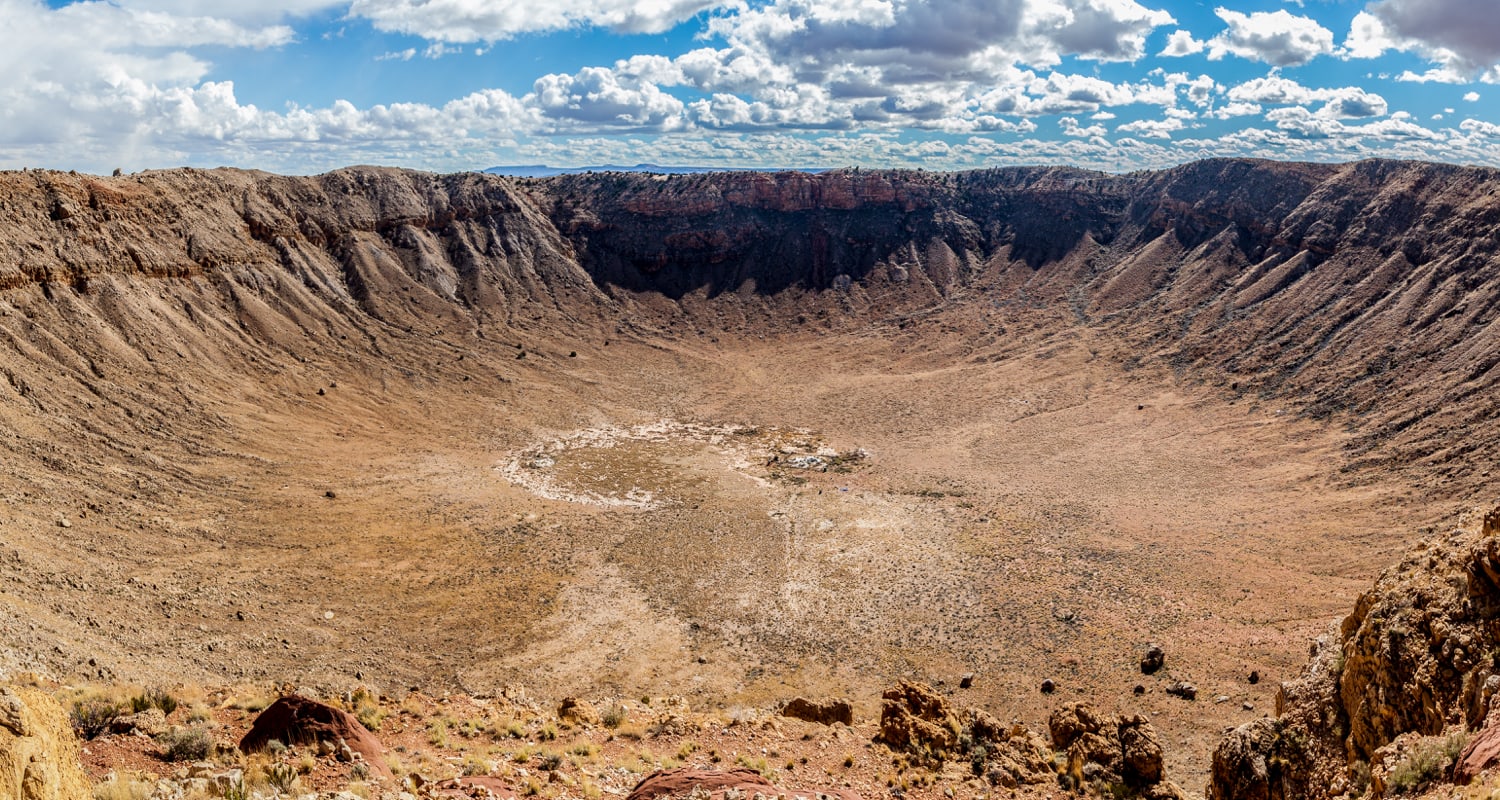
[[92, 716], [237, 791], [614, 716], [282, 777], [550, 762], [437, 733], [369, 715], [185, 744], [1427, 764], [474, 765], [977, 757], [153, 698], [1359, 777], [758, 764], [253, 702]]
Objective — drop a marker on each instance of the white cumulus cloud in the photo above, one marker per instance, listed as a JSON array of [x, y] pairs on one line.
[[1460, 35], [1182, 43], [603, 97], [1347, 102], [466, 21], [1071, 127], [1278, 37]]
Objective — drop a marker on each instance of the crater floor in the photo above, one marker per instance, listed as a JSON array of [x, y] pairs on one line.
[[742, 523]]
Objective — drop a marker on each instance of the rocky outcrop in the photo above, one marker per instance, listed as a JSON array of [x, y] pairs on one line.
[[1110, 751], [296, 720], [1262, 760], [827, 712], [1414, 662], [1482, 752], [39, 755], [1088, 749], [913, 717], [574, 711]]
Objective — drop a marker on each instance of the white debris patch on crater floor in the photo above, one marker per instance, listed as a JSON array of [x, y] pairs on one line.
[[650, 466]]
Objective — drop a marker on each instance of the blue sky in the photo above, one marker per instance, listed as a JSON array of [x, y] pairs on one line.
[[303, 86]]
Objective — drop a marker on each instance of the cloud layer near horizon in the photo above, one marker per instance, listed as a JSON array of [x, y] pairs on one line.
[[1113, 84]]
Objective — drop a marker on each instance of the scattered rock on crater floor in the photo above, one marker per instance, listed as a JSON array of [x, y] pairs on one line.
[[1154, 659]]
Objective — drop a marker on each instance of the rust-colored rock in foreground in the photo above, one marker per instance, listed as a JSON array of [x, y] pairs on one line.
[[745, 784], [296, 720]]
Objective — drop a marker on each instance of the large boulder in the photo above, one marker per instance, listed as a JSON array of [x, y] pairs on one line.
[[1116, 750], [39, 754], [674, 784], [580, 713], [296, 720], [915, 717], [1246, 766], [1017, 756], [1481, 753], [826, 713]]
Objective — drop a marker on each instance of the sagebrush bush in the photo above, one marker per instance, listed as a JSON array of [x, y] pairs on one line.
[[370, 716], [153, 698], [186, 744], [1427, 764], [92, 716]]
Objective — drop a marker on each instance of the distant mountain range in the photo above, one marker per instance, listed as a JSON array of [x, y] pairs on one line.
[[544, 171]]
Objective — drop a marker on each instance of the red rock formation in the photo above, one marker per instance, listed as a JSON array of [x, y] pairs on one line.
[[720, 784], [296, 720]]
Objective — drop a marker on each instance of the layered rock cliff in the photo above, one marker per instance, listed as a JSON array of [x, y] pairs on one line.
[[1366, 290]]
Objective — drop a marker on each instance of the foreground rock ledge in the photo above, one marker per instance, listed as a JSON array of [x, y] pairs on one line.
[[39, 755], [1388, 701]]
